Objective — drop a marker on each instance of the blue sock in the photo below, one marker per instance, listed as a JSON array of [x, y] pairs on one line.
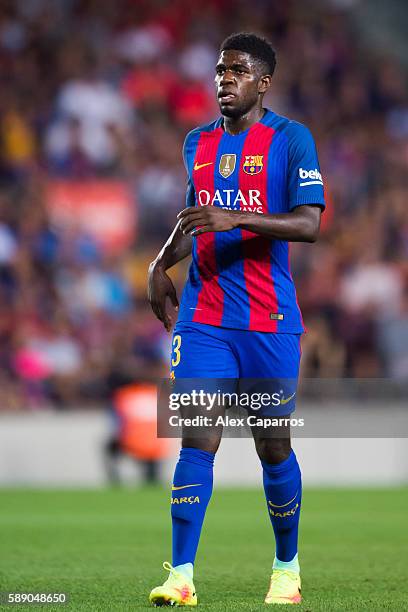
[[191, 492], [283, 491]]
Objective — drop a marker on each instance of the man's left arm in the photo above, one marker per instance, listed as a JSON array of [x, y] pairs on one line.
[[300, 225]]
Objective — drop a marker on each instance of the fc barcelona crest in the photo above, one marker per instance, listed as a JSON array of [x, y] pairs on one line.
[[227, 164], [253, 164]]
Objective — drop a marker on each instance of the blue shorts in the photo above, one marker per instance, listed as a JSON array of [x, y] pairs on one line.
[[206, 351]]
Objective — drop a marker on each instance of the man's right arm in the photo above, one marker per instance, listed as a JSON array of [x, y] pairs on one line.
[[160, 285], [177, 247]]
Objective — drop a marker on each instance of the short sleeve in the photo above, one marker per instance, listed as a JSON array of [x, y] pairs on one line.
[[305, 183], [187, 157], [185, 153], [190, 195], [189, 149]]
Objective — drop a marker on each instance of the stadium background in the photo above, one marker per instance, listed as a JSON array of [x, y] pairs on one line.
[[96, 99]]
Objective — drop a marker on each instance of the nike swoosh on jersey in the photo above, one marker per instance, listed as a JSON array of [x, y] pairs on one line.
[[198, 166], [285, 400], [173, 488]]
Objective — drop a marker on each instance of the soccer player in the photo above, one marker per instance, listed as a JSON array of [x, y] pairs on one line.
[[254, 184]]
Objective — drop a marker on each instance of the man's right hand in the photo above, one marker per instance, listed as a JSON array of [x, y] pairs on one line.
[[159, 288]]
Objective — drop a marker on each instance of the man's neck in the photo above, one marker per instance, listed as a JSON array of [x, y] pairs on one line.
[[236, 125]]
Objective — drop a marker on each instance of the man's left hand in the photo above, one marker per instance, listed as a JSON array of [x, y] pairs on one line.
[[207, 219]]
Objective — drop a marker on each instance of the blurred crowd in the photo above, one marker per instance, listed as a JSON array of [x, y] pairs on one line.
[[108, 90]]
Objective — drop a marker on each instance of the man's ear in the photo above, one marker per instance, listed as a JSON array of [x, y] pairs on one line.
[[264, 83]]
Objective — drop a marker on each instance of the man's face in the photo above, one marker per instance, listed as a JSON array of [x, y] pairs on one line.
[[238, 83]]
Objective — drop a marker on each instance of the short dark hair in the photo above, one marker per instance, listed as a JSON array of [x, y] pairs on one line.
[[256, 46]]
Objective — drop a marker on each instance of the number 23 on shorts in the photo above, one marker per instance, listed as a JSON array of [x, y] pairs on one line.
[[175, 360]]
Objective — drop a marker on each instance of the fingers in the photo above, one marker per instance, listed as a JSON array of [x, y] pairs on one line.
[[202, 230], [158, 304], [158, 309], [189, 211], [190, 225], [187, 216], [191, 220], [167, 322], [173, 298]]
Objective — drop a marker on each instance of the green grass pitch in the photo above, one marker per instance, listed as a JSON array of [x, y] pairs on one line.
[[105, 548]]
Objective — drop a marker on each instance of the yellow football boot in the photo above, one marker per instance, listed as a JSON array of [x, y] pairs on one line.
[[284, 588], [176, 591]]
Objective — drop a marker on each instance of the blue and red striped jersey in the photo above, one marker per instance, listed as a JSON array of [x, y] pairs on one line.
[[238, 279]]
